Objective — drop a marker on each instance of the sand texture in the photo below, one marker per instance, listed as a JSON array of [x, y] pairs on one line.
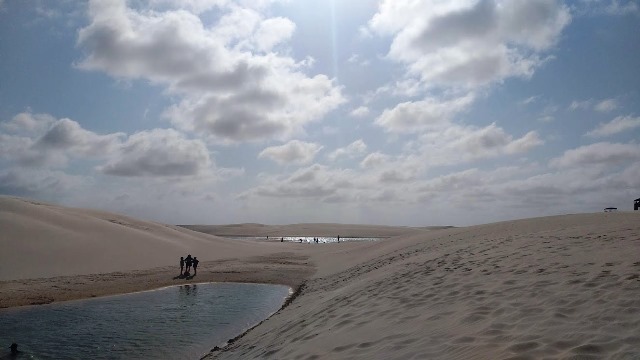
[[563, 287]]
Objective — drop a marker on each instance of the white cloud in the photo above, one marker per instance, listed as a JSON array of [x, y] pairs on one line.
[[469, 43], [28, 123], [293, 152], [359, 112], [374, 160], [41, 140], [68, 135], [310, 182], [356, 59], [615, 126], [602, 153], [580, 105], [234, 85], [353, 150], [430, 113], [159, 153], [490, 141], [606, 105], [530, 100], [460, 144]]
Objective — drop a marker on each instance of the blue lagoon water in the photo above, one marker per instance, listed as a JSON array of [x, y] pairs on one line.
[[178, 322], [305, 239]]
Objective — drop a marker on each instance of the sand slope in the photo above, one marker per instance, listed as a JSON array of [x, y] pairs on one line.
[[558, 287], [43, 240]]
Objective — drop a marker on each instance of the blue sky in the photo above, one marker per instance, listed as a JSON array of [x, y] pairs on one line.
[[390, 112]]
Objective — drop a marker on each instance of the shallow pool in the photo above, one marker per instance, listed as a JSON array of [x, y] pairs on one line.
[[178, 322], [305, 239]]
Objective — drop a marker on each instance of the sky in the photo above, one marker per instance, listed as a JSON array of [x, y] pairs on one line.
[[397, 112]]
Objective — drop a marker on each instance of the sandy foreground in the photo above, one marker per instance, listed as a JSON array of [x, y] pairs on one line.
[[556, 287]]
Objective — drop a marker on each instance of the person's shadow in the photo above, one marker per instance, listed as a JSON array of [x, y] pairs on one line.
[[185, 275]]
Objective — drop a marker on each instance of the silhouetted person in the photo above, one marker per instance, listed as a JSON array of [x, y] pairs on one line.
[[188, 261], [338, 238], [281, 239], [195, 266], [14, 349], [181, 264]]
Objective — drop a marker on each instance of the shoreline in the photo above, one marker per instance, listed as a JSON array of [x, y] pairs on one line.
[[30, 292], [230, 342]]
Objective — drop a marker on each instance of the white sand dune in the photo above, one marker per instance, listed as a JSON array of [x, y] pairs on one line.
[[560, 287], [44, 240], [564, 287]]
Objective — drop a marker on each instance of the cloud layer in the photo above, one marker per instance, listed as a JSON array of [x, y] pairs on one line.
[[234, 82]]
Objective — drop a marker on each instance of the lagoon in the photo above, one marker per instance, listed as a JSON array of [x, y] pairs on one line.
[[178, 322]]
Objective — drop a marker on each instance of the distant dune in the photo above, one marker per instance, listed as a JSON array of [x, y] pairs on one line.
[[564, 287], [315, 229], [44, 240]]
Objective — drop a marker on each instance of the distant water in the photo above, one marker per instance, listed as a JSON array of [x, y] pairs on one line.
[[178, 322], [305, 239]]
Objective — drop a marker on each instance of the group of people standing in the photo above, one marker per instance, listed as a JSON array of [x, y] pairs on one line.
[[188, 262]]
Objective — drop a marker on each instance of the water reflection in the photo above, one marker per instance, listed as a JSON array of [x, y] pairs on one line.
[[188, 290], [174, 323]]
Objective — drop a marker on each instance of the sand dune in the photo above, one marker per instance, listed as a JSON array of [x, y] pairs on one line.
[[561, 287], [43, 240], [564, 287]]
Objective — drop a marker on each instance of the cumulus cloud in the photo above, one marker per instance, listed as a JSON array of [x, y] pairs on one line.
[[233, 82], [293, 152], [460, 144], [68, 135], [429, 113], [159, 153], [355, 149], [602, 153], [470, 43], [615, 126], [313, 181], [41, 140], [28, 123]]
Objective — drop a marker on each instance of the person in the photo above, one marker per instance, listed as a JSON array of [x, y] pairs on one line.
[[188, 262], [181, 264], [14, 349], [282, 239], [195, 266], [338, 238]]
